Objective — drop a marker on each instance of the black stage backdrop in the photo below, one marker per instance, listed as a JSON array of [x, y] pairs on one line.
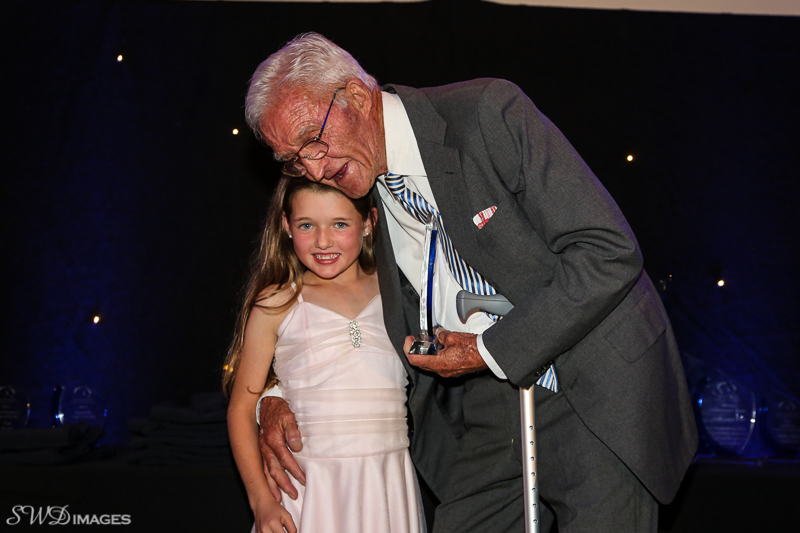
[[125, 194]]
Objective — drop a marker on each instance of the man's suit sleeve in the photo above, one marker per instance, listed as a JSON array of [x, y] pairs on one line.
[[597, 259]]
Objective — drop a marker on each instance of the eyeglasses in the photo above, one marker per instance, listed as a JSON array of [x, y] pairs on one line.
[[313, 149]]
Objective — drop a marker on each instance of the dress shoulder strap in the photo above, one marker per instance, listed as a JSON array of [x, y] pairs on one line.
[[299, 294]]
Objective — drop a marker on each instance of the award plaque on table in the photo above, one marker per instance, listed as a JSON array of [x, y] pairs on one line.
[[14, 407], [782, 424], [79, 402], [426, 343], [727, 415]]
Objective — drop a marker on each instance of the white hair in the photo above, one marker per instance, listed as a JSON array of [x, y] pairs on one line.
[[309, 61]]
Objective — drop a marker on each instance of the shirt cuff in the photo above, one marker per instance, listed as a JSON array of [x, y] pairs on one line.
[[487, 358], [275, 391]]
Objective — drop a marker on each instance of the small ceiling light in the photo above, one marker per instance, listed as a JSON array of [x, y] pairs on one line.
[[235, 131], [96, 319], [721, 282], [119, 58], [630, 158]]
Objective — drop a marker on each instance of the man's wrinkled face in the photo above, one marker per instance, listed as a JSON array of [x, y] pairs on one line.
[[355, 151]]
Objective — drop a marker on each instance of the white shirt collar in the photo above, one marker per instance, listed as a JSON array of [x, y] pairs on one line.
[[402, 152]]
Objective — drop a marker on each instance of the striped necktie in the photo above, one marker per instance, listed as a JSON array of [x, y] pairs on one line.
[[466, 277]]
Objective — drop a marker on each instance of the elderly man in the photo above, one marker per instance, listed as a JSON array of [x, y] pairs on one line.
[[519, 213]]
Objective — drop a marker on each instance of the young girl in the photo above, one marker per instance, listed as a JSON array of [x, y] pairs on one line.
[[313, 304]]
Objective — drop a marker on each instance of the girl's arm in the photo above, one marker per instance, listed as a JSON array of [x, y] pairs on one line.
[[251, 374]]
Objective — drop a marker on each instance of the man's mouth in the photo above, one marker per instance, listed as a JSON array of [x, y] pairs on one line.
[[339, 175]]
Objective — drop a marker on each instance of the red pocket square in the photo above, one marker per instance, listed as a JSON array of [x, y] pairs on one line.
[[483, 217]]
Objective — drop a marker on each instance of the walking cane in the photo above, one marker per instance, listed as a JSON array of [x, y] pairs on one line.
[[466, 302]]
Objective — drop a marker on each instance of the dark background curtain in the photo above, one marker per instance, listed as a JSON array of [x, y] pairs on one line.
[[125, 194]]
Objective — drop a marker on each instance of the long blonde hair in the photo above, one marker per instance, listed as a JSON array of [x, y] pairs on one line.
[[275, 265]]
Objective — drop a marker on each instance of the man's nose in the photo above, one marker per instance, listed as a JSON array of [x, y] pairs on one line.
[[315, 168]]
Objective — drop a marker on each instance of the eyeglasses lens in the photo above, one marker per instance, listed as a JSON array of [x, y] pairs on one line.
[[314, 150]]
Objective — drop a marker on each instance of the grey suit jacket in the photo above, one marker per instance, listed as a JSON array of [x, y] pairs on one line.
[[560, 250]]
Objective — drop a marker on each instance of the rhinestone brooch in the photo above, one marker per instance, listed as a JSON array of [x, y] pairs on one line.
[[355, 334]]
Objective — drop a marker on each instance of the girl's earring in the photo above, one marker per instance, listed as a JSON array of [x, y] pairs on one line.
[[290, 235], [366, 234]]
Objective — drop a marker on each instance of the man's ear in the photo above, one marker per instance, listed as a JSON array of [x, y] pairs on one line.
[[359, 95]]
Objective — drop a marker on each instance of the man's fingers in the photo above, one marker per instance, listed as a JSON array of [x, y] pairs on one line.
[[276, 457], [293, 439], [282, 432], [278, 423], [266, 452], [288, 463], [408, 343], [458, 356], [419, 361], [273, 487], [278, 475], [285, 458]]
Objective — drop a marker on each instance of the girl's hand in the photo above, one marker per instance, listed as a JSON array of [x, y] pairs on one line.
[[271, 517]]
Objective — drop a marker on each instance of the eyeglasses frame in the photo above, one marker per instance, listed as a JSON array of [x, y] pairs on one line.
[[296, 159]]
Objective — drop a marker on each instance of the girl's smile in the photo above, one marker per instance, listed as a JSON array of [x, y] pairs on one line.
[[326, 259]]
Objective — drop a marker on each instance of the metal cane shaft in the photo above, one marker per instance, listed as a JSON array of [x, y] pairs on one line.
[[529, 475], [467, 302]]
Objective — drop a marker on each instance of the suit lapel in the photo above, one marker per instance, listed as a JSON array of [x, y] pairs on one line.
[[391, 291], [449, 190]]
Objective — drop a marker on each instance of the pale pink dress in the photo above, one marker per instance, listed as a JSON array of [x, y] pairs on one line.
[[349, 400]]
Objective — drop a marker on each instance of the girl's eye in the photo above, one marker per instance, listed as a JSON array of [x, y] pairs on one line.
[[305, 226], [340, 225]]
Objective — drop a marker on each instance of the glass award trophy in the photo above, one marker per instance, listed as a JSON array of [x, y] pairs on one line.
[[782, 424], [14, 407], [727, 415], [426, 343], [79, 402]]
